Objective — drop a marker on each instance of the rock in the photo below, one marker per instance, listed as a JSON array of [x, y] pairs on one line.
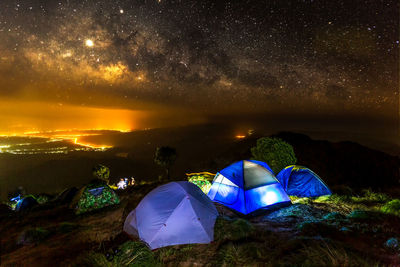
[[299, 211], [333, 216], [345, 229], [316, 228], [359, 214]]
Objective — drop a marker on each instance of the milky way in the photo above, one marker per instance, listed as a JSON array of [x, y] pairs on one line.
[[328, 57]]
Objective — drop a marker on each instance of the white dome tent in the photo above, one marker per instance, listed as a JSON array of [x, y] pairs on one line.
[[172, 214]]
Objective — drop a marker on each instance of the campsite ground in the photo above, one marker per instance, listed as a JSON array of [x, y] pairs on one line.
[[354, 227], [337, 230]]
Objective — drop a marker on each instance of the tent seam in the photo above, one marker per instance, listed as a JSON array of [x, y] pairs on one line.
[[180, 203]]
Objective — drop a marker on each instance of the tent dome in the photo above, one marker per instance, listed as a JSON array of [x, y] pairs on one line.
[[302, 182], [26, 203], [172, 214], [96, 195], [246, 186]]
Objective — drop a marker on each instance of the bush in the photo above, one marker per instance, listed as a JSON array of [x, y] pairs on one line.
[[101, 172], [274, 151], [375, 197], [165, 156], [392, 207]]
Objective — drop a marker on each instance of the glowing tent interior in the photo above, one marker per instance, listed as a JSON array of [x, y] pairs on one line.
[[302, 182], [247, 186]]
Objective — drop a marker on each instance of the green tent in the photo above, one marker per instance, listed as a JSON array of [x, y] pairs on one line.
[[95, 195], [201, 179]]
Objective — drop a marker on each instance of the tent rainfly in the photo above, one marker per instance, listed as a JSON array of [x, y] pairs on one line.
[[173, 214], [247, 186], [302, 182]]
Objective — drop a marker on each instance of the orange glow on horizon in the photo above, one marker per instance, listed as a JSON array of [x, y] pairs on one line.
[[239, 136], [101, 147], [29, 118]]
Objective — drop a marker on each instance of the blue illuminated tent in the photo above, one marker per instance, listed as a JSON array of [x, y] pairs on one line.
[[26, 203], [247, 186], [302, 182]]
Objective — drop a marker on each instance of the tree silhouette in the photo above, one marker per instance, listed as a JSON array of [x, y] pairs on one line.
[[165, 156], [101, 172], [275, 152]]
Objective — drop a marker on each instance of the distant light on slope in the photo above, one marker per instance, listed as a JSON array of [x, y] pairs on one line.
[[89, 43]]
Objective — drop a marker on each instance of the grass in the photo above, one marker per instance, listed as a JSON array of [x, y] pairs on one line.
[[227, 229], [176, 253], [392, 207], [34, 235], [92, 259], [66, 227], [369, 201], [232, 254], [312, 237], [325, 254], [133, 254], [316, 228]]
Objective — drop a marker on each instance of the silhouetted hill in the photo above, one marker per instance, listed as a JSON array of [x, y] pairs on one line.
[[345, 163], [208, 147]]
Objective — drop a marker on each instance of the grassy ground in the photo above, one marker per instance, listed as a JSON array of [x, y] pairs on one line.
[[340, 230]]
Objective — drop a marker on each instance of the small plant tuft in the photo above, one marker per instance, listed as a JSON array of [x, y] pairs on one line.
[[392, 207]]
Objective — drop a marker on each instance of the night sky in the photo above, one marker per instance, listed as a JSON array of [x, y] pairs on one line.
[[94, 59]]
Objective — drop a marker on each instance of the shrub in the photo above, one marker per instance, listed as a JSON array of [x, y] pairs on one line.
[[101, 172], [376, 197], [274, 151], [392, 207], [165, 156], [42, 198]]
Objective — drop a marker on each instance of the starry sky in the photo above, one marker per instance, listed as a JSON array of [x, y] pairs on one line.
[[127, 62]]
